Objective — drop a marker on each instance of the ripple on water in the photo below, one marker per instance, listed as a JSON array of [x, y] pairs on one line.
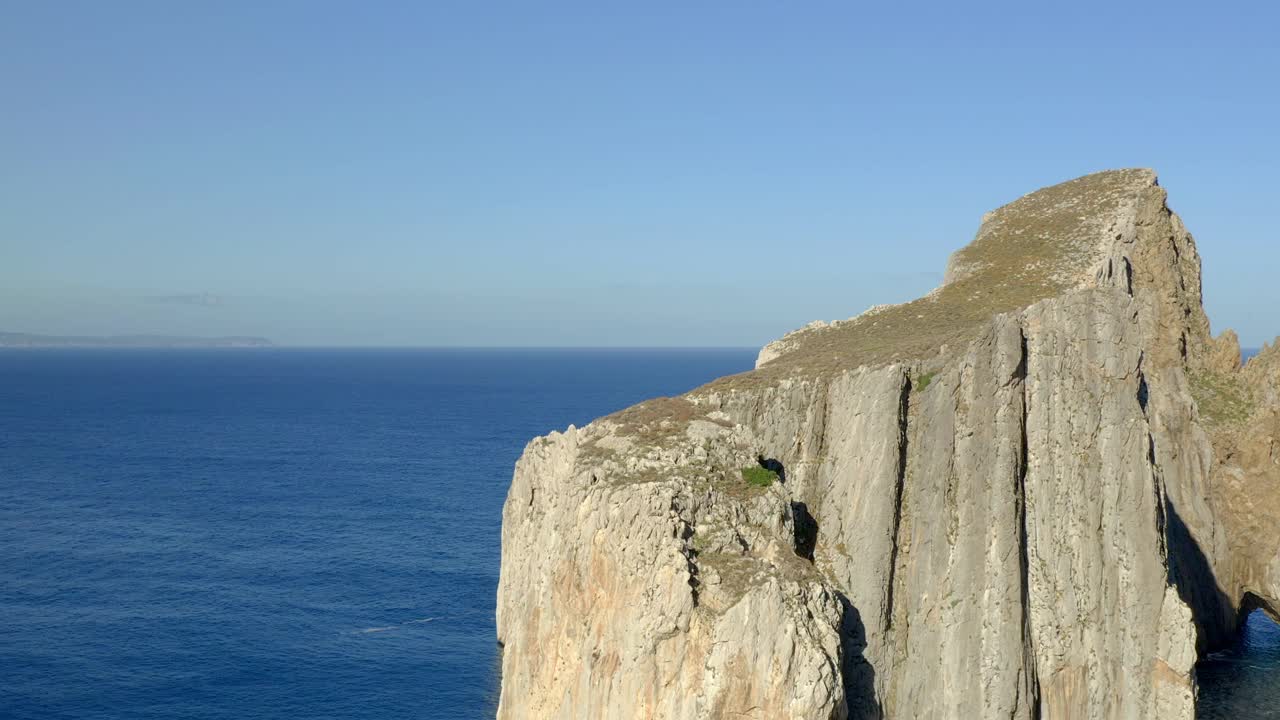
[[1243, 682]]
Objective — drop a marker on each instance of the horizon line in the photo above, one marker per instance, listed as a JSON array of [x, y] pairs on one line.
[[277, 346]]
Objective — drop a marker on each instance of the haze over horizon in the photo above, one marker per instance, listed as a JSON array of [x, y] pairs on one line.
[[573, 175]]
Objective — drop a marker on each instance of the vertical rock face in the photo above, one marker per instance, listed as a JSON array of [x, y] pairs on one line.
[[1038, 492]]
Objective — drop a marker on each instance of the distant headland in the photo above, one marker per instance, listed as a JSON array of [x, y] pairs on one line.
[[29, 340]]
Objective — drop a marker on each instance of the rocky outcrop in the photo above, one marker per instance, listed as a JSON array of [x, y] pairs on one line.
[[1041, 491]]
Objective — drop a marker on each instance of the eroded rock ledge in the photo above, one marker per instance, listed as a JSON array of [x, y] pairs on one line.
[[1040, 491]]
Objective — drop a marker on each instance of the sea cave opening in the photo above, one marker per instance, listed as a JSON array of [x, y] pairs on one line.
[[1242, 682]]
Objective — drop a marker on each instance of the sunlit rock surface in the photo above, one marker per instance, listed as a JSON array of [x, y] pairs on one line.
[[1040, 491]]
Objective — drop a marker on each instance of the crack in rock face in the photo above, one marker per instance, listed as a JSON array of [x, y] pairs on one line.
[[1041, 491]]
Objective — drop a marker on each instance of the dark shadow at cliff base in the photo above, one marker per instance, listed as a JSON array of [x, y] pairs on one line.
[[1215, 613], [494, 696], [859, 675]]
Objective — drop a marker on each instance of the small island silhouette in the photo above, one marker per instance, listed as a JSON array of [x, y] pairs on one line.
[[30, 340]]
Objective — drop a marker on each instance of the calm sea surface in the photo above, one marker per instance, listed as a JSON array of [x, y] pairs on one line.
[[1243, 683], [304, 533], [274, 533]]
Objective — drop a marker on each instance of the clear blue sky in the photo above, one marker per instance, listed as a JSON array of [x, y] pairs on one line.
[[543, 173]]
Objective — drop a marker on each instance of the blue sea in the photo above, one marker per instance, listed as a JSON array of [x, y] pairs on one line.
[[304, 533], [275, 533], [1243, 682]]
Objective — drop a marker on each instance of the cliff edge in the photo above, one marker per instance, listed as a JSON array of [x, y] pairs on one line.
[[1040, 491]]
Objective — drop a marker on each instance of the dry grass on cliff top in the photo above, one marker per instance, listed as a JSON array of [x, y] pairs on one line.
[[737, 574], [659, 415], [660, 419], [1034, 248], [1223, 399]]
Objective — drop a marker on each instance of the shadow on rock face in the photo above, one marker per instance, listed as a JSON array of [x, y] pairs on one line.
[[859, 675], [1191, 573]]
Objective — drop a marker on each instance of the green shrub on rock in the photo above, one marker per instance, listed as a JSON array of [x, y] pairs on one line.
[[758, 476]]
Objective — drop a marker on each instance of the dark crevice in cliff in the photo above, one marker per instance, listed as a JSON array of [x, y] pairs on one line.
[[822, 416], [1144, 392], [774, 465], [804, 525], [904, 410], [806, 530], [691, 558], [1024, 560], [1157, 478], [1162, 520]]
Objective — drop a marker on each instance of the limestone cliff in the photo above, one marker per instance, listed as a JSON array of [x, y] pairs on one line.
[[1037, 492]]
